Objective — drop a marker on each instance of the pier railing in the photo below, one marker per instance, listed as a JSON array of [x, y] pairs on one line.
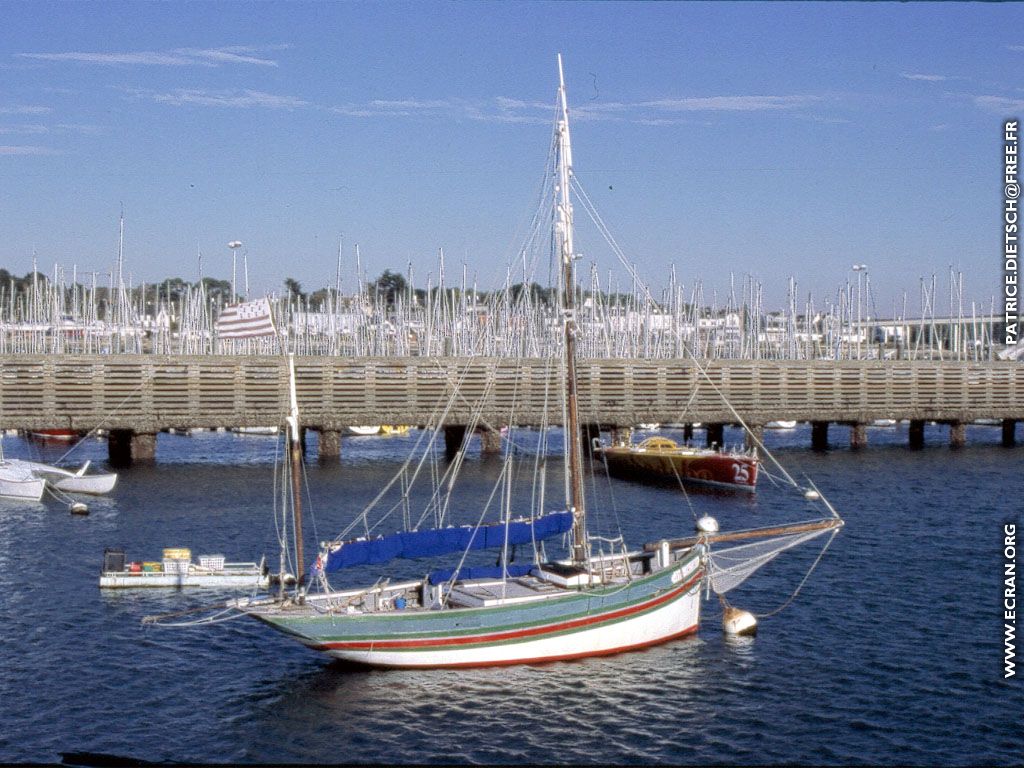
[[147, 393]]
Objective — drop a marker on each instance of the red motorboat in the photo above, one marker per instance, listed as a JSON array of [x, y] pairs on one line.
[[659, 458]]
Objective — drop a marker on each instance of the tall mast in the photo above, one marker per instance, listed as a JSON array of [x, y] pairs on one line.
[[564, 232], [295, 462]]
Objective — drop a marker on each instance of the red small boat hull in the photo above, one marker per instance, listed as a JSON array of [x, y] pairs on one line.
[[736, 471], [56, 434]]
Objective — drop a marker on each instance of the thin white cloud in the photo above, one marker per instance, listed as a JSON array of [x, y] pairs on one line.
[[26, 150], [356, 111], [23, 129], [1015, 47], [239, 99], [507, 110], [178, 57], [731, 103], [25, 110], [416, 105], [1000, 104], [500, 109], [504, 102], [923, 77]]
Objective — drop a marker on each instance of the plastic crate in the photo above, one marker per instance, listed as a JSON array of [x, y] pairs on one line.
[[212, 562], [176, 566]]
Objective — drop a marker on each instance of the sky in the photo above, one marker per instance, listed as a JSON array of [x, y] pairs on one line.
[[764, 139]]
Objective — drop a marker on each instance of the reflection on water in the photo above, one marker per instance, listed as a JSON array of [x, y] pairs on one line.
[[515, 714]]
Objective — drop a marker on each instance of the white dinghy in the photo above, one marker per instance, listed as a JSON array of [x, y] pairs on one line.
[[69, 481]]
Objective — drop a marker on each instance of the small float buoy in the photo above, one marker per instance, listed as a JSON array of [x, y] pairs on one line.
[[79, 508], [707, 524], [812, 495], [736, 621]]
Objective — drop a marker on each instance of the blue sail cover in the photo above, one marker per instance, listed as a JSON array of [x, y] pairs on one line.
[[441, 541]]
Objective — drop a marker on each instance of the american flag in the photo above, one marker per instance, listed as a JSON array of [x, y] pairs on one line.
[[246, 320]]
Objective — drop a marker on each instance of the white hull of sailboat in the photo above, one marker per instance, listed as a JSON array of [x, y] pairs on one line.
[[67, 480], [676, 618], [27, 489], [479, 628]]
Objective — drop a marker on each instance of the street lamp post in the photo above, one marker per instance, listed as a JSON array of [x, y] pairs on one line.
[[860, 269], [234, 245]]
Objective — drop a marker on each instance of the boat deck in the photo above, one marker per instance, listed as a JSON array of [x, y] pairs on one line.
[[524, 589]]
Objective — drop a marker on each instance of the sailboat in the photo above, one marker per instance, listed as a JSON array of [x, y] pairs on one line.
[[67, 480], [602, 598], [18, 482]]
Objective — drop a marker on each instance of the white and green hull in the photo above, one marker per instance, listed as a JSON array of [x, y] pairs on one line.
[[565, 623]]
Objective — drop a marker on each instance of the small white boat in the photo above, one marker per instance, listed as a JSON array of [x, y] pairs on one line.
[[69, 481], [780, 425], [883, 423], [18, 482], [364, 431], [177, 570], [649, 426], [255, 430]]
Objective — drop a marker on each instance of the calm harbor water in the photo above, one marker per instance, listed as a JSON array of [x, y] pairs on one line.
[[891, 653]]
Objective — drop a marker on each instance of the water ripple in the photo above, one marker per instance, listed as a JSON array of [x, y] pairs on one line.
[[890, 654]]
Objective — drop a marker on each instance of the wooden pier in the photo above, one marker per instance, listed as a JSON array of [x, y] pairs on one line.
[[137, 396]]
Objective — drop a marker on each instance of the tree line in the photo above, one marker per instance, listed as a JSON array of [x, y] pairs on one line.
[[389, 288]]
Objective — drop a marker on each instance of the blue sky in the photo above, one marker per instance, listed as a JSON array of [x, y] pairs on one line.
[[771, 139]]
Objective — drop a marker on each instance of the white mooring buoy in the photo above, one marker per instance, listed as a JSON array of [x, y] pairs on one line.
[[812, 495], [707, 524], [736, 621], [79, 508]]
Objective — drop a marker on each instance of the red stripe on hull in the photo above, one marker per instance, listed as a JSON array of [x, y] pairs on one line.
[[382, 645], [536, 660]]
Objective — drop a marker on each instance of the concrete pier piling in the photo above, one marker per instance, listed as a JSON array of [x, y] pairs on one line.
[[453, 437], [716, 435], [330, 443], [819, 435], [957, 434], [916, 437], [1009, 430], [125, 447], [753, 436], [621, 435], [858, 436], [490, 441]]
